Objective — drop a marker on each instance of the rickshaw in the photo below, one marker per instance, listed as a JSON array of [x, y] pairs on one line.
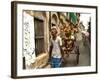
[[69, 44]]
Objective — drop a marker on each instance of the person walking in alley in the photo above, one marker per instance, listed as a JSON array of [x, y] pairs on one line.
[[55, 52]]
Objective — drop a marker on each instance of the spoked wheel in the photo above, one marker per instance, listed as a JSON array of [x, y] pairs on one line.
[[77, 56]]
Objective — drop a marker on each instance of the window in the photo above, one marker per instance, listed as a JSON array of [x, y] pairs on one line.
[[39, 36]]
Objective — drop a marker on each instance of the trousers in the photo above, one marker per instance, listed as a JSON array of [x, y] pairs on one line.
[[55, 62]]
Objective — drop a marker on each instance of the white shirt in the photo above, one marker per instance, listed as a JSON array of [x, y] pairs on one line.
[[56, 52]]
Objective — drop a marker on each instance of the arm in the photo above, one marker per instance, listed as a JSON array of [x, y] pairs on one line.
[[62, 53], [50, 50], [61, 45]]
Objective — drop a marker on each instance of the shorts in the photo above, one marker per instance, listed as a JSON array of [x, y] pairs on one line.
[[55, 62]]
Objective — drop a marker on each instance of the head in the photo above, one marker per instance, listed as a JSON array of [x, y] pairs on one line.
[[54, 31], [76, 29], [61, 28]]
